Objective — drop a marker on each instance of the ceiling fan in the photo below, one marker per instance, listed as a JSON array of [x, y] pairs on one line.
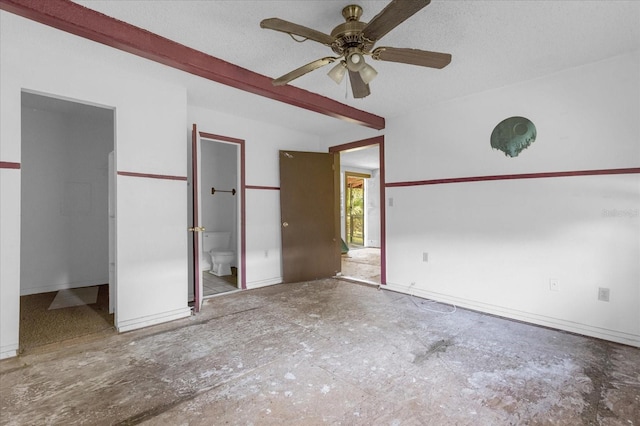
[[354, 39]]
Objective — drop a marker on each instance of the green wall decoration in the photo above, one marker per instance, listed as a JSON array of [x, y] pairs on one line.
[[512, 135]]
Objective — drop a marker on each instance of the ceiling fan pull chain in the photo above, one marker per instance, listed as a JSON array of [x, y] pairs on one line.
[[296, 40], [346, 88]]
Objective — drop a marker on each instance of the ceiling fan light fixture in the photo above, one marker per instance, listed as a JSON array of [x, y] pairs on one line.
[[368, 73], [355, 60], [338, 72]]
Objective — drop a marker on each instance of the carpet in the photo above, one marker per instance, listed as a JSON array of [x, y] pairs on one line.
[[75, 297], [41, 326]]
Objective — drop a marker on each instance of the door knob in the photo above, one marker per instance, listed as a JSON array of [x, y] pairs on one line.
[[285, 224], [197, 229]]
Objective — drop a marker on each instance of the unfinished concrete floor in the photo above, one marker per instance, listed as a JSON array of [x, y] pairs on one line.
[[327, 352], [362, 264]]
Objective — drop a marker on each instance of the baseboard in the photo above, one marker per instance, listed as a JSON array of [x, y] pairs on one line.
[[9, 351], [264, 283], [136, 323], [61, 286], [573, 327]]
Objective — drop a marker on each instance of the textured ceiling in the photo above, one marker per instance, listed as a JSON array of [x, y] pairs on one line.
[[493, 44]]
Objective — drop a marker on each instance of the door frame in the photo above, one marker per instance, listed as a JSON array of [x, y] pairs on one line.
[[196, 140], [378, 140], [111, 197]]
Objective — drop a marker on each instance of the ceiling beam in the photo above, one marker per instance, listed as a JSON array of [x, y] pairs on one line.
[[81, 21]]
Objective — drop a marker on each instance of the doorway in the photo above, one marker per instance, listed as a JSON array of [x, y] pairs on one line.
[[219, 213], [66, 231], [362, 210], [217, 208]]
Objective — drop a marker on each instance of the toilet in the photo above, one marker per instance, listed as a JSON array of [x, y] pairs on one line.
[[216, 253]]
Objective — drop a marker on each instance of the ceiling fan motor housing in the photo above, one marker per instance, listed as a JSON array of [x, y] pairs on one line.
[[348, 35]]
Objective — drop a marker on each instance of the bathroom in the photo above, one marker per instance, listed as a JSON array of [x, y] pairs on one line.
[[219, 216]]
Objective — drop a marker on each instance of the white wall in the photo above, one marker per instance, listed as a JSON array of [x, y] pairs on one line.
[[150, 121], [262, 144], [64, 237], [353, 134], [494, 245], [9, 260]]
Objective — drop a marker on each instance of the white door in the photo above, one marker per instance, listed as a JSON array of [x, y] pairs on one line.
[[195, 227], [112, 233], [196, 221]]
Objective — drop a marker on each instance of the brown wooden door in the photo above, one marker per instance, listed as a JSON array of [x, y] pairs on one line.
[[309, 197]]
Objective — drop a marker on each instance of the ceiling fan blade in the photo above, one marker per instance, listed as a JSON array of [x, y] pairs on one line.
[[290, 28], [299, 72], [422, 58], [359, 88], [391, 16]]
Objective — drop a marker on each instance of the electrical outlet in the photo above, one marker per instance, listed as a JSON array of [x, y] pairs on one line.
[[266, 253], [425, 257], [554, 284], [603, 294], [390, 201]]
